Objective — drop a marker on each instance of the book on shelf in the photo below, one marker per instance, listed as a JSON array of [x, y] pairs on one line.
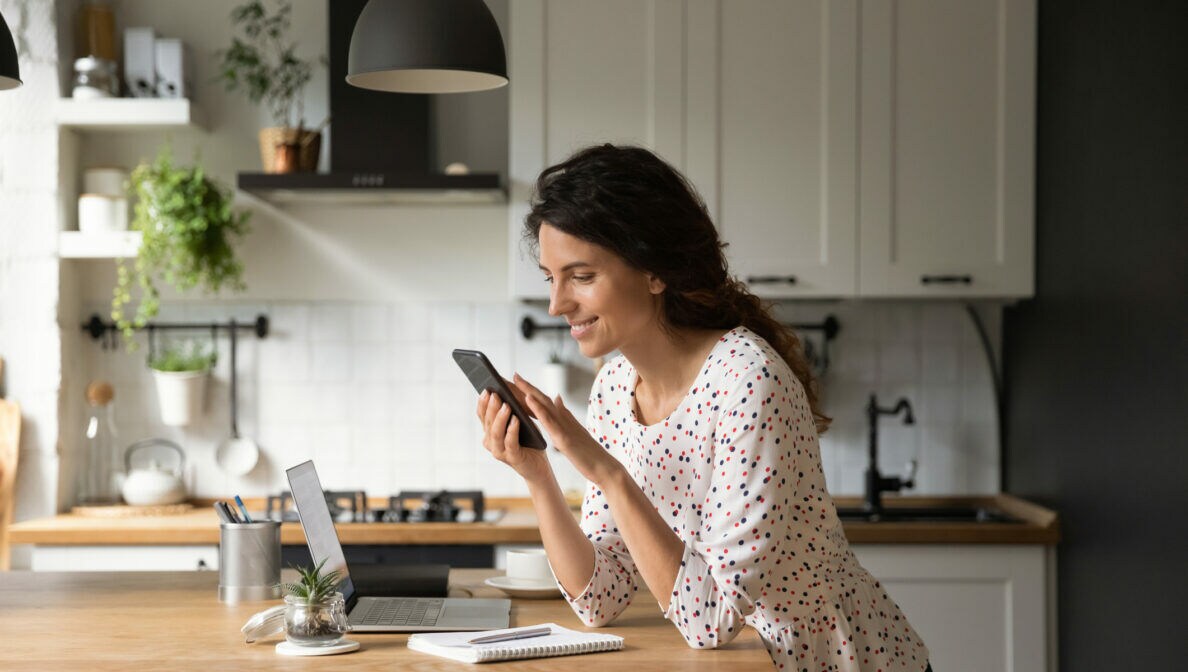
[[558, 642]]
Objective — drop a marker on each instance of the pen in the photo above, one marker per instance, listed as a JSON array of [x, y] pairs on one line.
[[229, 511], [239, 503], [222, 514], [514, 634]]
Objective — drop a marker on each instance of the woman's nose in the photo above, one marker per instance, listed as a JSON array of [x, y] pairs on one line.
[[559, 302]]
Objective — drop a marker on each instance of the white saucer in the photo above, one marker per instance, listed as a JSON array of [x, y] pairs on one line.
[[524, 588], [287, 648]]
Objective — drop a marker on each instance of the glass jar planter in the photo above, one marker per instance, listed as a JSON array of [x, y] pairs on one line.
[[315, 623]]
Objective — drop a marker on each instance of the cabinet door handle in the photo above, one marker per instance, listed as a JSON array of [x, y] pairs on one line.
[[771, 279], [946, 279]]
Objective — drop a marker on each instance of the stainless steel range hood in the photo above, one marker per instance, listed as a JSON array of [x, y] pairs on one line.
[[381, 145]]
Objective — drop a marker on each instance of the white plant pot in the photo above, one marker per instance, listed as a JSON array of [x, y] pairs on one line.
[[181, 395]]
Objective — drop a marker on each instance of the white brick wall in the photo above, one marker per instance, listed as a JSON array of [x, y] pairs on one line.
[[29, 277]]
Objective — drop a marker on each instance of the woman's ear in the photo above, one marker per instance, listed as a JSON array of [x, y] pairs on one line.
[[656, 285]]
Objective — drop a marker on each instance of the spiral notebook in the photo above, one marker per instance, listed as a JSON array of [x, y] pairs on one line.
[[560, 642]]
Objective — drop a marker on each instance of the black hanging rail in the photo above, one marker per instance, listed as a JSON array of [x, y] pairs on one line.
[[829, 327], [97, 328]]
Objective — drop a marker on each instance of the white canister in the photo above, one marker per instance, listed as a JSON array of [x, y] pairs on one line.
[[104, 180], [554, 379], [100, 213]]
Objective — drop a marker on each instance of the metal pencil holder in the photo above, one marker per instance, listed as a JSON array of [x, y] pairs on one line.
[[249, 561]]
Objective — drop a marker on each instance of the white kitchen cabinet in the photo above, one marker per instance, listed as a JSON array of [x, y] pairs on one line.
[[773, 114], [978, 608], [124, 558], [947, 126], [584, 73], [844, 147]]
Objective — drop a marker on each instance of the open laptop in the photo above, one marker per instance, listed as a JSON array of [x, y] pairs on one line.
[[383, 614]]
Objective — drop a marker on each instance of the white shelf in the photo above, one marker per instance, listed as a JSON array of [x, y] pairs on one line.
[[128, 114], [78, 245]]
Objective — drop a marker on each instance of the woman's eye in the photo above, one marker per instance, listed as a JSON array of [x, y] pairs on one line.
[[548, 280], [583, 278]]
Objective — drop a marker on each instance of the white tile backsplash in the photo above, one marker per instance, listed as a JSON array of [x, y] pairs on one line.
[[371, 323], [370, 391]]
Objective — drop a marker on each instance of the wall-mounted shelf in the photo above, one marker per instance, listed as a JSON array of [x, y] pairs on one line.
[[128, 114], [115, 245]]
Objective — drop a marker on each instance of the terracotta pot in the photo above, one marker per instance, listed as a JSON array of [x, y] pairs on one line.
[[303, 146]]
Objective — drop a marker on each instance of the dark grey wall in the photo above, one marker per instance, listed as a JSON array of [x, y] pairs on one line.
[[1096, 365]]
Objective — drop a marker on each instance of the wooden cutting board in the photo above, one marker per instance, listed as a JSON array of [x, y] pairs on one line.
[[10, 439]]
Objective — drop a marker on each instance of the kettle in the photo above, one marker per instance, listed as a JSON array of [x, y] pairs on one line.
[[154, 485]]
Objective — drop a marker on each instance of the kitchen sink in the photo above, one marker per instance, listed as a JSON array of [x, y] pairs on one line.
[[927, 514]]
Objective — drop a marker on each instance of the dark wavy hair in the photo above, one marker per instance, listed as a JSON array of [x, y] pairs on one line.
[[631, 202]]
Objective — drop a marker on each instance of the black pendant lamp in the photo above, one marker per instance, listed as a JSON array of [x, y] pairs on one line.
[[10, 71], [426, 46]]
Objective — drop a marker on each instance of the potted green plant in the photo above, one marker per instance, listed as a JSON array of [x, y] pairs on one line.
[[189, 233], [315, 614], [262, 62], [181, 371]]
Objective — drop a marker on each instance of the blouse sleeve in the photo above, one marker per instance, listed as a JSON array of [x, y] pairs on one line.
[[735, 546], [615, 579]]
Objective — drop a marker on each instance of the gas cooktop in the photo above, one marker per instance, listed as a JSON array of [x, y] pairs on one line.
[[410, 506]]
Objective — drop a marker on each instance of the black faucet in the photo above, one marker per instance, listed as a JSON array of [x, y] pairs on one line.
[[876, 484]]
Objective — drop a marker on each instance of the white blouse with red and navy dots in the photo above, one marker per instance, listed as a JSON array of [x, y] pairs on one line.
[[736, 472]]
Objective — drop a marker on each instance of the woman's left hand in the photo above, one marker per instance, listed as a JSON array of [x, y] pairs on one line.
[[568, 434]]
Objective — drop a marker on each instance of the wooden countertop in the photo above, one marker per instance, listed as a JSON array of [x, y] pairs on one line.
[[518, 526], [133, 621]]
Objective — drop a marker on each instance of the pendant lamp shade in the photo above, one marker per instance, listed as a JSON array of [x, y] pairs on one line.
[[10, 71], [426, 46]]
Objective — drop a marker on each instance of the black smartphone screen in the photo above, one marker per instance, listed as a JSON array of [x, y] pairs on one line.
[[483, 376]]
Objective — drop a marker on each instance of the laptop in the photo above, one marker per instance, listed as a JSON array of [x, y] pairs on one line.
[[383, 614]]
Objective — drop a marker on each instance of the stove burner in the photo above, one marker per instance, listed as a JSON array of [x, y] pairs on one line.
[[346, 506], [440, 506], [350, 506]]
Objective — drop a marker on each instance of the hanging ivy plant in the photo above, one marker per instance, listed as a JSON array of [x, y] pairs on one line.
[[189, 235]]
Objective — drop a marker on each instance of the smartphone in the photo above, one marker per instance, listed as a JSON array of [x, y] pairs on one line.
[[483, 376]]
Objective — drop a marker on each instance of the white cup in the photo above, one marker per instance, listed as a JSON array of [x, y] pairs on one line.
[[530, 565], [107, 181], [99, 213]]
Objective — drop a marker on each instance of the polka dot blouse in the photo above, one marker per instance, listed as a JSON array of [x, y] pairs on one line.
[[736, 471]]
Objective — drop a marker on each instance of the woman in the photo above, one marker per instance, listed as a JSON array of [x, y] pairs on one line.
[[700, 443]]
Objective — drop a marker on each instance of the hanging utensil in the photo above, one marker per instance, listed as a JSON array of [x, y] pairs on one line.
[[237, 455]]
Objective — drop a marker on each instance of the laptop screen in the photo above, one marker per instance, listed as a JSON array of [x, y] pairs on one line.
[[317, 523]]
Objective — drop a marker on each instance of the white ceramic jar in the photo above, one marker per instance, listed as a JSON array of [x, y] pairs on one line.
[[106, 180], [100, 213]]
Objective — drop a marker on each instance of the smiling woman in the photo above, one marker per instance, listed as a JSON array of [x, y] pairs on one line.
[[700, 443]]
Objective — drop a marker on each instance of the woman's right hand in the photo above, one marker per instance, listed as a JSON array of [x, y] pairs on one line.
[[501, 438]]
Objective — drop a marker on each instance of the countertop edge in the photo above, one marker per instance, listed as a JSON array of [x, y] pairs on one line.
[[519, 526]]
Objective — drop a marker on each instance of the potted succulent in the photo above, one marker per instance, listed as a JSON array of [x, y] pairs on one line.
[[315, 614], [262, 62], [181, 371], [189, 231]]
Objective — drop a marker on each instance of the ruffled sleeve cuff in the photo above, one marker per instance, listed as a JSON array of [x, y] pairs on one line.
[[607, 594]]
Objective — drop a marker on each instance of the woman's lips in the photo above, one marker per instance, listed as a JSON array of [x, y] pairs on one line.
[[579, 329]]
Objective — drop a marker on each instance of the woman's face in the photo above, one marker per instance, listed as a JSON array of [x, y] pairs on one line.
[[609, 305]]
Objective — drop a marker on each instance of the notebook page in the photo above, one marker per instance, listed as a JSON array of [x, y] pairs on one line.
[[561, 642]]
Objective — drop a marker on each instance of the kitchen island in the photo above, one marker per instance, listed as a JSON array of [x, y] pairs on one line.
[[173, 621], [981, 594]]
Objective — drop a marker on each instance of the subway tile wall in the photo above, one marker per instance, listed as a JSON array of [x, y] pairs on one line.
[[370, 392]]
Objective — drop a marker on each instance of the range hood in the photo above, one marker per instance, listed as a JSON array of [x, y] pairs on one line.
[[381, 145]]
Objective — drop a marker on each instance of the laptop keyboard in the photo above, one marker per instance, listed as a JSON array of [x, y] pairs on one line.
[[407, 611]]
